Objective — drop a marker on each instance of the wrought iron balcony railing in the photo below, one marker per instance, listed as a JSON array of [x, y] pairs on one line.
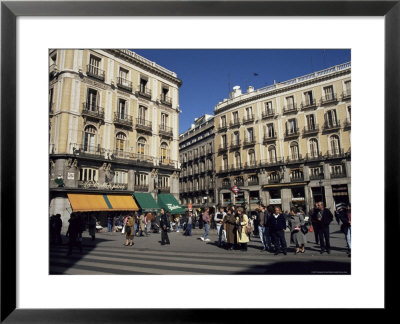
[[93, 111], [165, 130], [144, 92], [270, 137], [292, 133], [290, 108], [249, 141], [331, 125], [329, 98], [144, 124], [294, 158], [268, 113], [124, 84], [95, 72], [335, 153], [235, 122], [346, 94], [166, 100], [248, 118], [308, 104], [311, 129], [123, 119], [314, 156], [235, 144]]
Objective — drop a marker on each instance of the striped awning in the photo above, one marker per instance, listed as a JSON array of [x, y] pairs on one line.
[[93, 202]]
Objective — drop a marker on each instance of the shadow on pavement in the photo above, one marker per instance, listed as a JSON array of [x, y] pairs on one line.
[[59, 262], [301, 267]]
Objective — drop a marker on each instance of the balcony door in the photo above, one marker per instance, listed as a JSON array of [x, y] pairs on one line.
[[120, 143], [141, 115], [94, 65], [313, 145], [122, 109], [91, 103], [328, 91], [335, 145], [310, 122], [330, 118], [272, 154], [294, 151], [89, 139]]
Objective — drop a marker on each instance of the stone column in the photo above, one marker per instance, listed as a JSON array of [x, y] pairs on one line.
[[329, 197], [131, 180], [286, 198]]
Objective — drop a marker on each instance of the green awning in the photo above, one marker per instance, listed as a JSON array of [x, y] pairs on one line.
[[146, 202], [170, 204]]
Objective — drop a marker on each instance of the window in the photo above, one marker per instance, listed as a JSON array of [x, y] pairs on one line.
[[88, 174], [223, 121], [313, 147], [94, 65], [270, 130], [142, 114], [310, 122], [316, 173], [89, 139], [120, 143], [308, 98], [91, 103], [143, 84], [226, 182], [120, 177], [268, 108], [328, 92], [294, 151], [164, 120], [237, 160], [238, 181], [235, 138], [141, 146], [235, 116], [337, 169], [251, 157], [290, 103], [140, 179], [223, 141], [274, 176], [335, 144], [249, 113], [347, 88], [164, 152], [121, 109], [292, 126], [272, 154], [123, 77], [250, 134], [51, 92], [164, 94], [330, 118], [225, 162], [163, 181]]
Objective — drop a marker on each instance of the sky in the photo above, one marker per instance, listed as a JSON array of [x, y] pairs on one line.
[[208, 75]]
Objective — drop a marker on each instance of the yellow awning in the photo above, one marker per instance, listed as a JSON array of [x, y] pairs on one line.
[[121, 202], [85, 202]]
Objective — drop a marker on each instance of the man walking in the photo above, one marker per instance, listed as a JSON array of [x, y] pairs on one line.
[[164, 226], [219, 217], [323, 218], [261, 220], [277, 225], [206, 219]]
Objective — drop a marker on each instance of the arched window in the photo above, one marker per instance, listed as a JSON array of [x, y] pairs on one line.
[[251, 157], [313, 147], [294, 151], [237, 160], [120, 143], [334, 144], [272, 154], [89, 143], [164, 152], [141, 146]]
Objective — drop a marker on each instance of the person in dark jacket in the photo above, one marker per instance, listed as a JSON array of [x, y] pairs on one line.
[[74, 233], [164, 227], [343, 214], [323, 218], [277, 224], [57, 228], [314, 222]]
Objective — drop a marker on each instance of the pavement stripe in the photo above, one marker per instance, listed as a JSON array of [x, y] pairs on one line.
[[90, 269]]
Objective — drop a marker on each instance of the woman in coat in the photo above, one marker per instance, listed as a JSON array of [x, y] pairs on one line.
[[296, 221], [142, 225], [230, 228], [241, 223], [129, 230]]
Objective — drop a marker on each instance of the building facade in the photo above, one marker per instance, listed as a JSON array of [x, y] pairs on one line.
[[197, 156], [114, 125], [286, 144]]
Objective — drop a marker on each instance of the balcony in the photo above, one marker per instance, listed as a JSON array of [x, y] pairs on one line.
[[222, 127], [83, 150], [234, 123], [271, 162], [314, 156], [291, 108], [92, 111], [268, 113], [164, 189], [94, 72], [144, 125], [226, 186], [337, 175], [165, 100], [165, 131], [329, 126], [346, 94], [123, 120], [239, 183], [294, 159], [252, 182], [144, 188], [251, 165], [292, 133], [327, 99], [248, 119], [249, 141], [274, 180], [308, 104], [166, 162], [297, 178], [139, 159], [144, 92], [317, 176], [124, 84], [236, 167], [311, 129], [222, 148], [335, 154], [347, 123], [235, 144], [270, 138]]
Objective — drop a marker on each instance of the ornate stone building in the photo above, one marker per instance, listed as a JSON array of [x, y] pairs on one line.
[[288, 143], [113, 125], [197, 156]]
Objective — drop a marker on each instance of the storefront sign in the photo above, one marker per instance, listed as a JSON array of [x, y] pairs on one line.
[[275, 201], [298, 199], [71, 176], [102, 186]]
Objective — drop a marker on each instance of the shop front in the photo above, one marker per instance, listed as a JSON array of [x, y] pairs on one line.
[[170, 204]]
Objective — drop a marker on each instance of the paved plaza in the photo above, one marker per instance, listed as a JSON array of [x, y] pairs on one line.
[[190, 255]]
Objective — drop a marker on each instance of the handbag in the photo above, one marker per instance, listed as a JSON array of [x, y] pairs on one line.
[[248, 229], [311, 229], [304, 229]]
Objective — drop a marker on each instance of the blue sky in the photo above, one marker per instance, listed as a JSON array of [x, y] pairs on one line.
[[207, 73]]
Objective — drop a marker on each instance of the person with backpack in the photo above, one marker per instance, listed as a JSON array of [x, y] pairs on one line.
[[206, 219], [323, 218]]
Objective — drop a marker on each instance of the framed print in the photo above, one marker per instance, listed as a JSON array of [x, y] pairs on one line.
[[30, 28]]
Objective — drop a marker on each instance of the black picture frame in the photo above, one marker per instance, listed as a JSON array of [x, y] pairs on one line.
[[10, 10]]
